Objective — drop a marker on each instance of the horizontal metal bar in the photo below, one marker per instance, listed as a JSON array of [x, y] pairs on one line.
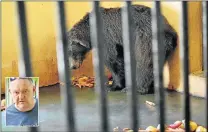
[[97, 40], [205, 50], [184, 57], [158, 59], [24, 50], [67, 96], [130, 63]]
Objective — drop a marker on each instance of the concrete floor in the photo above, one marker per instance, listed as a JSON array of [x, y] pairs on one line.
[[87, 116]]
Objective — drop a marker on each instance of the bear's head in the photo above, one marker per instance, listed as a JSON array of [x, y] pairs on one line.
[[79, 42], [77, 53]]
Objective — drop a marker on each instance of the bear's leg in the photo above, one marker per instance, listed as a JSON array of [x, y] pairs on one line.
[[115, 63], [117, 71], [144, 81]]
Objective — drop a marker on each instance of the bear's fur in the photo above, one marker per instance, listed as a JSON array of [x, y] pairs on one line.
[[80, 43]]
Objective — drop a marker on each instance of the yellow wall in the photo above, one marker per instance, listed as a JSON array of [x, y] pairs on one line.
[[41, 25]]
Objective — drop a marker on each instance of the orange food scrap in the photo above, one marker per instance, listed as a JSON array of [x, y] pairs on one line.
[[78, 85], [83, 81], [72, 78]]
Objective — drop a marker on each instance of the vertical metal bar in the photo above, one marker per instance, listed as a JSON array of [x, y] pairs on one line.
[[96, 27], [24, 62], [205, 50], [130, 63], [24, 57], [184, 57], [67, 97], [158, 59]]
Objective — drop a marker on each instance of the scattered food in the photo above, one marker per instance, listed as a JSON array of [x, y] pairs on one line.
[[85, 81], [193, 125], [126, 129], [116, 129], [110, 82], [178, 126], [150, 103], [201, 129], [151, 129]]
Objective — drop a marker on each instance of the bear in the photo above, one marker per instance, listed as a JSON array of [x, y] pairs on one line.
[[79, 44]]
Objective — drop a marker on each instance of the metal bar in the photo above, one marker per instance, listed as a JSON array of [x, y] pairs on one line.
[[158, 59], [24, 57], [184, 57], [97, 40], [67, 97], [130, 63], [205, 50], [24, 63]]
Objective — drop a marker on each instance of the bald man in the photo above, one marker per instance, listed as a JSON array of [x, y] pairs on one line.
[[24, 111]]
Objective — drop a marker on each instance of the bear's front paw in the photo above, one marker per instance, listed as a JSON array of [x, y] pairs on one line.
[[113, 87], [124, 90], [110, 88]]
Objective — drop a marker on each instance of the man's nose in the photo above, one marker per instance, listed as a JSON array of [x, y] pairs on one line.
[[21, 96]]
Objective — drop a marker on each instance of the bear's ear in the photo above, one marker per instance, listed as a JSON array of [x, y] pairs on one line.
[[83, 43]]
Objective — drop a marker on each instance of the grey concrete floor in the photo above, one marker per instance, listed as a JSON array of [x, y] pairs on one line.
[[52, 117]]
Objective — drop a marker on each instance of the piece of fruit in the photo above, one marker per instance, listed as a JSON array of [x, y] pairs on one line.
[[175, 125], [150, 103], [126, 129], [109, 77], [110, 82], [201, 129], [116, 129], [176, 122], [192, 124], [151, 129], [181, 126]]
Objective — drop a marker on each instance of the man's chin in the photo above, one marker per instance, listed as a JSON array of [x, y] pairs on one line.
[[22, 107]]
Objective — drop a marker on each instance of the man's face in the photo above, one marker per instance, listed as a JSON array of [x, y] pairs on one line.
[[22, 92]]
